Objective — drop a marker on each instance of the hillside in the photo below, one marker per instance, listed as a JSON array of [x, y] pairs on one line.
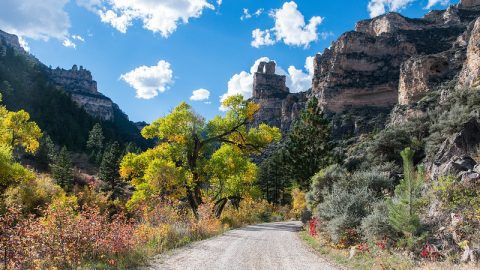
[[65, 103]]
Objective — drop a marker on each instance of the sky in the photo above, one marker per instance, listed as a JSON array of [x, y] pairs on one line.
[[150, 55]]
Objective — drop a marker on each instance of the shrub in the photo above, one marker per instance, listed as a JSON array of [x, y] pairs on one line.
[[376, 226], [30, 195], [324, 179], [299, 204]]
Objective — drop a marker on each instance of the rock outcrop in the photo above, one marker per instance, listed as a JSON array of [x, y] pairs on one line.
[[470, 74], [278, 107], [78, 82], [392, 59]]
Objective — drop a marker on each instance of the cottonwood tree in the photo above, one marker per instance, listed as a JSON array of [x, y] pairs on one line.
[[178, 166], [16, 131]]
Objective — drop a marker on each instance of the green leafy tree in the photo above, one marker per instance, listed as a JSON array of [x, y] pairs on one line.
[[62, 170], [95, 143], [176, 167], [109, 170], [403, 208]]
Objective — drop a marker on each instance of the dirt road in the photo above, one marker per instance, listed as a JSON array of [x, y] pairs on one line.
[[272, 246]]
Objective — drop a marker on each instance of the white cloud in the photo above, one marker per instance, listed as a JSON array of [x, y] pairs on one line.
[[296, 80], [35, 19], [23, 43], [148, 82], [160, 16], [69, 44], [262, 38], [379, 7], [432, 3], [246, 14], [290, 27], [78, 37], [200, 94]]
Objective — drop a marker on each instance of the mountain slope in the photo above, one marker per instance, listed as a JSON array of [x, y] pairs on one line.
[[58, 101]]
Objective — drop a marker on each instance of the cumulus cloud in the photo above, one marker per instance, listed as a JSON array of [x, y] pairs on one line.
[[23, 43], [35, 19], [247, 15], [297, 79], [290, 27], [69, 44], [200, 94], [379, 7], [147, 81], [432, 3], [262, 38], [160, 16]]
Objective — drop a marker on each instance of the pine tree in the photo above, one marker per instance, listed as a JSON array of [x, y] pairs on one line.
[[403, 208], [109, 169], [273, 181], [95, 143], [62, 170], [46, 153], [308, 146]]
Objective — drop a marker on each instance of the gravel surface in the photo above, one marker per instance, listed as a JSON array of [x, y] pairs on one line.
[[263, 246]]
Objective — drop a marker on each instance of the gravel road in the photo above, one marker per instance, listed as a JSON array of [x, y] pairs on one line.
[[264, 246]]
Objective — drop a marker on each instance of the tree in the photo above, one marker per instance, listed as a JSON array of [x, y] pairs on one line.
[[109, 169], [403, 208], [95, 143], [308, 146], [16, 130], [232, 176], [46, 153], [176, 167], [306, 150], [62, 170], [274, 182], [14, 127]]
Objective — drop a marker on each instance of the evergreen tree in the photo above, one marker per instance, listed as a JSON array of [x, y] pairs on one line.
[[95, 143], [308, 146], [272, 179], [62, 170], [109, 170], [403, 208], [46, 153]]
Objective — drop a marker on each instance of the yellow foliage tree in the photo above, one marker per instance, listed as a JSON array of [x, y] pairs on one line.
[[178, 167]]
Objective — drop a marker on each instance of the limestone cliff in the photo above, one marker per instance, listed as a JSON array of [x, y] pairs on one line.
[[78, 82], [278, 107], [392, 59], [385, 61]]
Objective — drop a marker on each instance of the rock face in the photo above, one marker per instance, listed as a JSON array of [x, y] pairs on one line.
[[278, 107], [470, 74], [78, 82], [392, 59], [454, 154]]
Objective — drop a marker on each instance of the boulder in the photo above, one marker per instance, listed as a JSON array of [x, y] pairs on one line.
[[454, 154]]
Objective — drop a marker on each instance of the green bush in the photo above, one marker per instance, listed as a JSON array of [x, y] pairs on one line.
[[376, 226]]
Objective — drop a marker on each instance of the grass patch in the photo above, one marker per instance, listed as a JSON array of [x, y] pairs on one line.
[[375, 259]]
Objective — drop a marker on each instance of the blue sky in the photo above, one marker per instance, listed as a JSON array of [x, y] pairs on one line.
[[207, 52]]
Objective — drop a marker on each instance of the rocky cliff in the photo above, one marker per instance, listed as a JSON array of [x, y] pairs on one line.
[[78, 82], [385, 61], [392, 59], [278, 107]]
